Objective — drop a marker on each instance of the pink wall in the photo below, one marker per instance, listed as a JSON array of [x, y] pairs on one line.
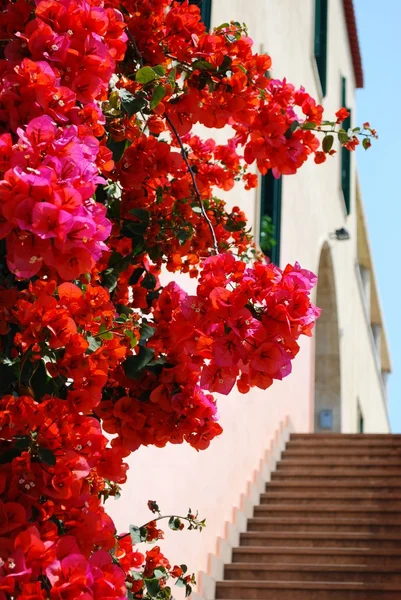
[[212, 481]]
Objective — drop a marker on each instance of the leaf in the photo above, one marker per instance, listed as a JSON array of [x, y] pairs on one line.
[[153, 587], [117, 148], [366, 143], [308, 125], [157, 96], [94, 344], [145, 75], [147, 332], [8, 376], [159, 70], [202, 65], [137, 534], [174, 523], [140, 213], [23, 443], [160, 572], [47, 456], [6, 456], [135, 363], [225, 65], [149, 281], [327, 143], [343, 137], [108, 335], [136, 275]]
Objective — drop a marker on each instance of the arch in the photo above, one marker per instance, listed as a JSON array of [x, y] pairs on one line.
[[327, 350]]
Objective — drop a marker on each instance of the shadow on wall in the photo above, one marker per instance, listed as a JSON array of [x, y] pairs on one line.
[[327, 355]]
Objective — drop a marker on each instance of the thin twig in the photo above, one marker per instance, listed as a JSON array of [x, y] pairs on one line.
[[194, 183], [159, 518], [135, 47]]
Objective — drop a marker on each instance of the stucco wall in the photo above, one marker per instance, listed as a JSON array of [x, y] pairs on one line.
[[313, 206]]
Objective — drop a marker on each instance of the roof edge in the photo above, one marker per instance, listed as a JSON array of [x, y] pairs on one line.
[[350, 19]]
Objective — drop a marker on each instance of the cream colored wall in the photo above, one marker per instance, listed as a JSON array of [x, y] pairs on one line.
[[313, 206]]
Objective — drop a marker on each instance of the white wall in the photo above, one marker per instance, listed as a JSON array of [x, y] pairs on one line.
[[313, 206]]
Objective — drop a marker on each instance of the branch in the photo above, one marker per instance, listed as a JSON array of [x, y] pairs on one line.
[[134, 46], [160, 518], [194, 183]]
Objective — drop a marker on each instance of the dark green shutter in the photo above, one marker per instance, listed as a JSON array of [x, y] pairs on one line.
[[321, 14], [346, 154], [271, 194]]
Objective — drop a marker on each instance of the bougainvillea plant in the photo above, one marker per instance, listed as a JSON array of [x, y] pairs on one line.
[[106, 184]]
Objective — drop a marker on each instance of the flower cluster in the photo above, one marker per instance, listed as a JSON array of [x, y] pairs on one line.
[[103, 185]]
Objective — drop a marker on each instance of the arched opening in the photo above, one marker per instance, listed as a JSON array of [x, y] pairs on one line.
[[327, 416]]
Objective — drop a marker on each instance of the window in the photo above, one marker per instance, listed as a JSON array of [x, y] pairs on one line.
[[345, 154], [206, 10], [321, 11], [270, 217]]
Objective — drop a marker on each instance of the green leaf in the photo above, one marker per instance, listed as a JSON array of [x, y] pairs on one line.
[[234, 226], [184, 568], [108, 335], [94, 344], [137, 534], [8, 376], [152, 586], [145, 75], [23, 443], [149, 281], [343, 137], [225, 65], [117, 148], [159, 70], [141, 213], [160, 572], [136, 275], [202, 65], [6, 456], [174, 523], [157, 96], [147, 331], [327, 143], [135, 363], [309, 125], [172, 76], [366, 143], [47, 456]]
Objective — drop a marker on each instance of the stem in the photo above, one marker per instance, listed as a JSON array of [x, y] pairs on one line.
[[134, 46], [194, 183], [160, 518]]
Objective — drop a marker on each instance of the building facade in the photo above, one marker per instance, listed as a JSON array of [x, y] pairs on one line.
[[339, 377]]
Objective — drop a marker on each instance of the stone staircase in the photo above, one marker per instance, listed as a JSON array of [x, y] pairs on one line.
[[328, 526]]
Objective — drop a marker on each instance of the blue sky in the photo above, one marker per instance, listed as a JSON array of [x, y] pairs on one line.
[[380, 168]]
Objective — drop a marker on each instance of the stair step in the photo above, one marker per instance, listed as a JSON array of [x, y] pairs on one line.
[[310, 437], [339, 443], [312, 572], [333, 464], [350, 485], [319, 524], [332, 510], [320, 539], [381, 500], [340, 474], [344, 478], [291, 590], [328, 452], [325, 555]]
